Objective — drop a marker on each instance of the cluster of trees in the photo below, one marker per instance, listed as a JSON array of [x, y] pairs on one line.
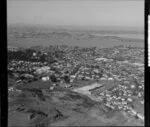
[[55, 79], [26, 55], [54, 55]]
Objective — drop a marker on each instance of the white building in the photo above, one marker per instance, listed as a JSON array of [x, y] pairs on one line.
[[132, 86], [110, 78], [142, 102], [34, 53], [11, 89], [139, 95], [45, 78], [101, 59], [129, 99], [51, 88]]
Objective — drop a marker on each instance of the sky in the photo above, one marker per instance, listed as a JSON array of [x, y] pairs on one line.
[[80, 13]]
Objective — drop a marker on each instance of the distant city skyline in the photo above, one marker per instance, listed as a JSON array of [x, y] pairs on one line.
[[78, 13]]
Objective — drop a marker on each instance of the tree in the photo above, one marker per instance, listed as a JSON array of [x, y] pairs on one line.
[[30, 52], [105, 100], [50, 58], [42, 58], [100, 75], [53, 78], [66, 78]]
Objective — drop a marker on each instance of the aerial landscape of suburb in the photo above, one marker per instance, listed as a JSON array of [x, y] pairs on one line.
[[66, 67]]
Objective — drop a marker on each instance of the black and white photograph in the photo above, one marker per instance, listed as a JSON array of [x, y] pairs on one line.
[[75, 63]]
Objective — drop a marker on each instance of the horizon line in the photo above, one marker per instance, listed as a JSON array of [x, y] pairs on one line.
[[129, 28]]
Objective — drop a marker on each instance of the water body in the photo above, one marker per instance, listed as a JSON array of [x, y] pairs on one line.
[[27, 37]]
